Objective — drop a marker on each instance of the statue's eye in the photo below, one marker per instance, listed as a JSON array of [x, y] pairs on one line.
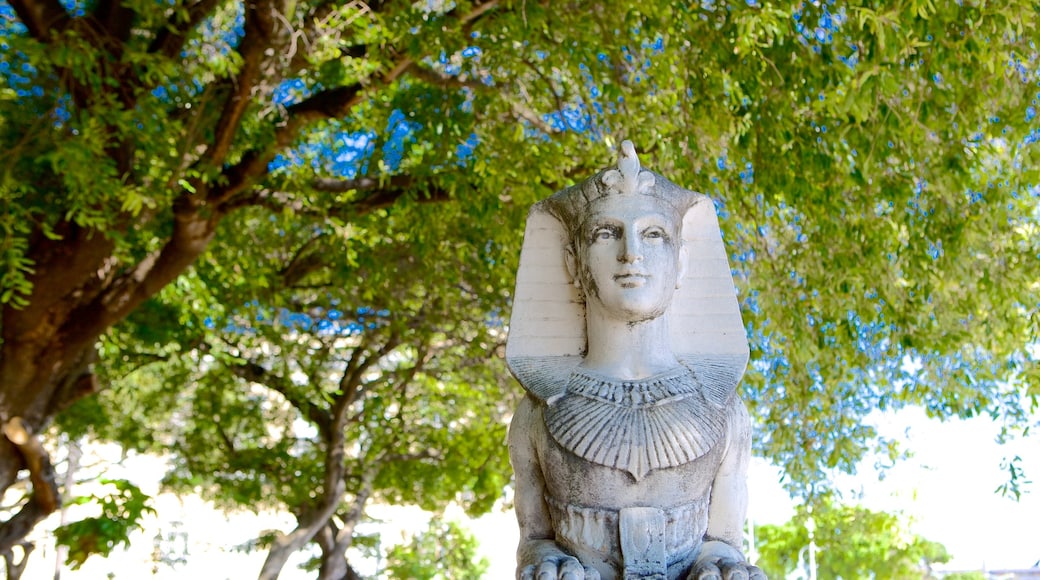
[[655, 234], [605, 233]]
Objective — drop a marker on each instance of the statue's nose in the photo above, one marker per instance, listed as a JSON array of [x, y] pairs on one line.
[[630, 249]]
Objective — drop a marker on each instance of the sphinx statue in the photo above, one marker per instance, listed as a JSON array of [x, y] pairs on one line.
[[631, 447]]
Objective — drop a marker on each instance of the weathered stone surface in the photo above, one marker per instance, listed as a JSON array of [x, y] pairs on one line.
[[631, 448]]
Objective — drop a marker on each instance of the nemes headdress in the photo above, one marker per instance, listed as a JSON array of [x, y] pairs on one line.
[[571, 205], [547, 328]]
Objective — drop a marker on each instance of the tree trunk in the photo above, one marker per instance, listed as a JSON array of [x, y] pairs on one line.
[[285, 544], [335, 543], [20, 448], [15, 568], [311, 522], [333, 562], [48, 346], [72, 464], [334, 566], [81, 285]]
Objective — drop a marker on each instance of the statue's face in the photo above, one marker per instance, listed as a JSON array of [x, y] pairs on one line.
[[629, 256]]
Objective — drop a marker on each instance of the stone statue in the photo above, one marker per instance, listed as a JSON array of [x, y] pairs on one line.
[[631, 447]]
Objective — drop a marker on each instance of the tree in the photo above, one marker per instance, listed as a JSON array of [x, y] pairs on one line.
[[875, 168], [445, 551], [317, 407], [853, 542], [135, 131]]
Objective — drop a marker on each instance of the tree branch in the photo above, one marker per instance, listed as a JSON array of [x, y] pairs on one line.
[[302, 262], [255, 373], [386, 198], [345, 535], [43, 18], [480, 10], [170, 39], [45, 498], [334, 486], [286, 544], [63, 267], [229, 444], [528, 114], [328, 104], [331, 103], [193, 229], [549, 84], [15, 569], [79, 381], [520, 109], [332, 185], [14, 530], [258, 32], [411, 372], [352, 376], [116, 19], [317, 26], [41, 472], [380, 195]]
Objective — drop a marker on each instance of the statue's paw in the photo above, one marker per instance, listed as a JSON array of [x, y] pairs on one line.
[[558, 568], [705, 571], [725, 569]]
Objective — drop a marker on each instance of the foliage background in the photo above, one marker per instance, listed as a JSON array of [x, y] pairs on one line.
[[171, 168]]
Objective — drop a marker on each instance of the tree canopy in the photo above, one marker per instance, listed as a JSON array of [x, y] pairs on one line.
[[445, 552], [852, 542], [174, 167], [317, 407]]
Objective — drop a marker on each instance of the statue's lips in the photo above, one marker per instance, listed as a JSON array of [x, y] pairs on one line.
[[631, 279]]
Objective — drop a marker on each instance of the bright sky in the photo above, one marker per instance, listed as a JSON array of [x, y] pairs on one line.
[[947, 489]]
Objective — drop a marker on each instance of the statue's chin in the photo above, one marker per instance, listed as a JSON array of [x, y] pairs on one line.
[[633, 305], [635, 312]]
